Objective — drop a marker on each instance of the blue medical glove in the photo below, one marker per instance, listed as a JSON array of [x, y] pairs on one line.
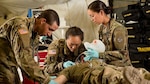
[[44, 38], [52, 82], [90, 54], [68, 64], [87, 58], [52, 77]]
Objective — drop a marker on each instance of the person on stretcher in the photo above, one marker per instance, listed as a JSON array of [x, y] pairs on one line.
[[92, 70]]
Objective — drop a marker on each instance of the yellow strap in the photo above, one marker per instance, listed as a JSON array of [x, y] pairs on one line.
[[131, 36], [135, 61], [129, 28], [148, 11], [143, 49], [127, 15]]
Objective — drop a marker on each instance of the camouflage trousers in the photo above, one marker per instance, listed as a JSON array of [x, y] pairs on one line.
[[98, 72], [118, 75], [8, 65]]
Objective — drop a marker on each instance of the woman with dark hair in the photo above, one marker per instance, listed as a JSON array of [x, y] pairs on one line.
[[112, 33], [62, 53]]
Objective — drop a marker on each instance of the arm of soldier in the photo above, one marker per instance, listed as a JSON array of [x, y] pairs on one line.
[[61, 79], [31, 68], [111, 55], [64, 75], [118, 58], [76, 73], [52, 64], [71, 74], [20, 42], [49, 65], [120, 46]]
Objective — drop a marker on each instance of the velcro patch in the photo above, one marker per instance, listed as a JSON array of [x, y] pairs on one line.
[[52, 52], [23, 31]]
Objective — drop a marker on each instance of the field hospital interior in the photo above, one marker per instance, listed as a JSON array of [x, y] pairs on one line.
[[74, 13]]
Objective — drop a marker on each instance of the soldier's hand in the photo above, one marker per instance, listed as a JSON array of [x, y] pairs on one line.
[[90, 54], [68, 64]]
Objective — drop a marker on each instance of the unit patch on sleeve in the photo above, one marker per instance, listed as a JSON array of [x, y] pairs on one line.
[[52, 52], [23, 31]]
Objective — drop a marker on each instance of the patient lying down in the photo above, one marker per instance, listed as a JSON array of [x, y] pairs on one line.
[[95, 71], [98, 72]]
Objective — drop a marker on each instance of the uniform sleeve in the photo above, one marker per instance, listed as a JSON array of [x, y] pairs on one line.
[[19, 38], [119, 56], [52, 64], [76, 73], [120, 38], [31, 68]]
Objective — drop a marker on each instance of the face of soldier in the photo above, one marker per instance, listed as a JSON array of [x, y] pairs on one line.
[[73, 43], [96, 17], [45, 29]]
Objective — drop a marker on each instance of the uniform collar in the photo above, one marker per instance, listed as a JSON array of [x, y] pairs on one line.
[[111, 22], [108, 25], [31, 24], [34, 35]]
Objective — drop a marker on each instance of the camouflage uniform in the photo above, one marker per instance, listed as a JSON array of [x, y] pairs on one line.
[[17, 50], [98, 72], [58, 52], [114, 36]]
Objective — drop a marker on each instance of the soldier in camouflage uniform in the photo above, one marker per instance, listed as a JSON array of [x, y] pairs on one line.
[[19, 37], [112, 33], [63, 52], [98, 72]]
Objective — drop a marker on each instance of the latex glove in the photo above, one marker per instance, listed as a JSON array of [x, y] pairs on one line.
[[44, 38], [68, 64], [87, 58], [52, 82], [90, 54]]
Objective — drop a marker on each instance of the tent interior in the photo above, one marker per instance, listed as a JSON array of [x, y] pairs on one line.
[[71, 13]]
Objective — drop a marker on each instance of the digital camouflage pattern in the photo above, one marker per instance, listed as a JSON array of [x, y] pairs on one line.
[[58, 52], [98, 72], [19, 51], [115, 38]]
